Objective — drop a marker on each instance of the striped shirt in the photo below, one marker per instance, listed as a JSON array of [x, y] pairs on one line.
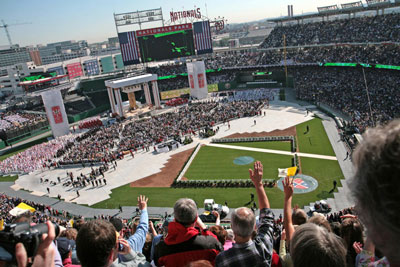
[[257, 252]]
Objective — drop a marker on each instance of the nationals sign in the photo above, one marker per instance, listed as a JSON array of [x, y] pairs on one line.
[[172, 28], [194, 13], [57, 115]]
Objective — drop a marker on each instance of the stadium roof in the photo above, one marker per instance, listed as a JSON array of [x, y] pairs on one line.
[[348, 8]]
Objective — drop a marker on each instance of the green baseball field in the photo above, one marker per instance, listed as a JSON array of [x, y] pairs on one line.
[[214, 163]]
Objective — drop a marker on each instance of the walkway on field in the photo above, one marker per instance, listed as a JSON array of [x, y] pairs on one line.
[[264, 150]]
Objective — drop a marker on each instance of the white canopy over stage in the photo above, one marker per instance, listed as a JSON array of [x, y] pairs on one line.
[[130, 85]]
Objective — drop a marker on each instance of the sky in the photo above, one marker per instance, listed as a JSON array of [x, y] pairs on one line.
[[92, 20]]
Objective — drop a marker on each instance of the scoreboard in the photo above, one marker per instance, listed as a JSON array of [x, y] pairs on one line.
[[168, 45], [167, 42]]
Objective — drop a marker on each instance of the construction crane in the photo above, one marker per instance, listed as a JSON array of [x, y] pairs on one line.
[[5, 26]]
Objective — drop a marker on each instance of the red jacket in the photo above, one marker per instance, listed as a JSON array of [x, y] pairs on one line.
[[183, 245], [67, 262]]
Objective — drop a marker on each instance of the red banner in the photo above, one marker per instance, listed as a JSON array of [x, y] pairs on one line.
[[57, 114], [200, 78], [172, 28], [191, 81]]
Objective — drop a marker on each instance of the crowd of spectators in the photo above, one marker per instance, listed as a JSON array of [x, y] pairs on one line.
[[187, 120], [42, 212], [182, 81], [380, 28], [90, 123], [387, 54], [344, 89], [294, 239], [96, 145], [106, 144], [34, 157], [12, 121], [369, 54]]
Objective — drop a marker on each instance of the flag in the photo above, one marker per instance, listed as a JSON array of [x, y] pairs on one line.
[[1, 224], [129, 48], [202, 37], [287, 172], [20, 209]]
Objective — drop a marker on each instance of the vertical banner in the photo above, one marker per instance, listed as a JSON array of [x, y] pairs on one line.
[[197, 79], [55, 111]]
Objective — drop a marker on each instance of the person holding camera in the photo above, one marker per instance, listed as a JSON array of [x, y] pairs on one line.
[[46, 251], [98, 245]]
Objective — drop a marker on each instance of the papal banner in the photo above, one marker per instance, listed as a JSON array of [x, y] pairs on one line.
[[197, 79], [55, 110]]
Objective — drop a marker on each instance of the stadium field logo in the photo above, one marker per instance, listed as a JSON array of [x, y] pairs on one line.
[[227, 86], [302, 184], [243, 160]]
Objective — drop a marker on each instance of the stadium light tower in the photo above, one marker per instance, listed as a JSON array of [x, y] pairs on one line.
[[5, 26]]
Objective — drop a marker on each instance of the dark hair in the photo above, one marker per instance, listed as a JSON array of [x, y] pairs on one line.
[[220, 232], [94, 243], [335, 226], [78, 224], [351, 231]]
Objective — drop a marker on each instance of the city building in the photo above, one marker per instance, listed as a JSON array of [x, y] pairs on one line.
[[10, 77], [11, 55]]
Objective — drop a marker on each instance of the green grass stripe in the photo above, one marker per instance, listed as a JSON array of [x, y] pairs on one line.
[[315, 141]]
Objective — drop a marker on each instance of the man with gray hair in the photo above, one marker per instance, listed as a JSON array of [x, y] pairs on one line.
[[376, 188], [248, 252], [185, 243]]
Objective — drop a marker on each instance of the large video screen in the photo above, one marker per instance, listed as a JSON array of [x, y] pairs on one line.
[[166, 45]]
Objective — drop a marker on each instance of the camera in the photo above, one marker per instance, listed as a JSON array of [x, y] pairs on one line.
[[29, 236]]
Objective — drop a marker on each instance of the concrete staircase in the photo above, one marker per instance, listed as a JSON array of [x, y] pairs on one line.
[[342, 199]]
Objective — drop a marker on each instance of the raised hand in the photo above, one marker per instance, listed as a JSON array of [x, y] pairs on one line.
[[358, 247], [288, 187], [142, 202], [257, 174], [126, 248], [283, 235], [215, 213]]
